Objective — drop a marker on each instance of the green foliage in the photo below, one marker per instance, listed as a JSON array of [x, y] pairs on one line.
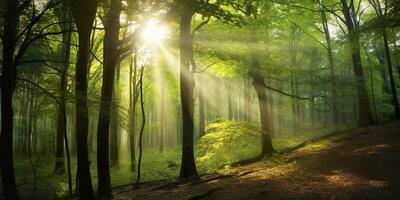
[[226, 142]]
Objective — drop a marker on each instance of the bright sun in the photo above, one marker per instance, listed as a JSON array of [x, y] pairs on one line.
[[154, 33]]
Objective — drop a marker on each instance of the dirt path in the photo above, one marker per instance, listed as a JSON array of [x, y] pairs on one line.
[[363, 167]]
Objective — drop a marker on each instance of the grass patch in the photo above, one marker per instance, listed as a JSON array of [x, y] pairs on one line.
[[224, 143]]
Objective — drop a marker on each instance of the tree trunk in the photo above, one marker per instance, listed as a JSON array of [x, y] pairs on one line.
[[335, 113], [61, 109], [202, 114], [83, 12], [247, 100], [229, 98], [188, 166], [266, 137], [381, 59], [162, 117], [8, 83], [111, 39], [364, 113], [114, 126], [133, 98]]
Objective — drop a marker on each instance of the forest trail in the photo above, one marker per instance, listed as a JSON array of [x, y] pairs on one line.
[[366, 166]]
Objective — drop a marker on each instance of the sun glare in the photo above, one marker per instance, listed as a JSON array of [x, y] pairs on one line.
[[154, 32]]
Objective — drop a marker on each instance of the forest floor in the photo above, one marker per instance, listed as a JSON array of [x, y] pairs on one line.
[[361, 164]]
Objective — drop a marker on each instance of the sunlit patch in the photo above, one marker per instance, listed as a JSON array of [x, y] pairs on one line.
[[154, 32], [339, 178], [371, 150]]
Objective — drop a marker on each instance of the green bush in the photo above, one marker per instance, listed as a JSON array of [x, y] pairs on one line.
[[226, 142]]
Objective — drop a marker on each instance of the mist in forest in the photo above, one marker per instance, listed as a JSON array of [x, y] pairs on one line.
[[101, 94]]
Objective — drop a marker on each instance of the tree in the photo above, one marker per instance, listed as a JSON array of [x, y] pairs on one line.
[[188, 165], [328, 47], [66, 26], [83, 13], [111, 39], [187, 10]]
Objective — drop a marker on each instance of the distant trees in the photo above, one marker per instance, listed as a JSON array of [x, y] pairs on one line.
[[381, 13], [351, 20], [17, 37]]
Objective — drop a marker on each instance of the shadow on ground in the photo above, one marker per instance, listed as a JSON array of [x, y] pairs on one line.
[[363, 167]]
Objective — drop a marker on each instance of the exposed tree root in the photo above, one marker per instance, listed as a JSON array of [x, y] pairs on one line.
[[248, 161], [211, 179], [245, 173]]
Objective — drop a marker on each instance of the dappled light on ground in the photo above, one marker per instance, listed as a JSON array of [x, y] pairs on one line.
[[362, 164]]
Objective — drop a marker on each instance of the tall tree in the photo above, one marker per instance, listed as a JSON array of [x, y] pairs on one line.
[[66, 26], [188, 166], [329, 50], [187, 9], [83, 13], [110, 55]]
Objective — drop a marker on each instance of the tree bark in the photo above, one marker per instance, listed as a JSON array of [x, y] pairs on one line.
[[335, 112], [188, 166], [83, 12], [202, 114], [8, 83], [111, 39], [364, 112], [133, 98], [266, 137], [61, 109], [229, 98]]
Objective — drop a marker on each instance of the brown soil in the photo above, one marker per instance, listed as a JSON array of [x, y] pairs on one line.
[[363, 167]]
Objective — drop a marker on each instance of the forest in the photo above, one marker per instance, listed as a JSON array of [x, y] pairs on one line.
[[200, 99]]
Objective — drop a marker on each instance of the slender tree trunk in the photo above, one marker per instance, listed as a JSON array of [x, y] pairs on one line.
[[114, 126], [247, 100], [293, 78], [229, 98], [142, 126], [335, 113], [83, 12], [61, 109], [29, 112], [188, 166], [162, 117], [202, 117], [111, 39], [133, 97], [372, 84], [381, 59]]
